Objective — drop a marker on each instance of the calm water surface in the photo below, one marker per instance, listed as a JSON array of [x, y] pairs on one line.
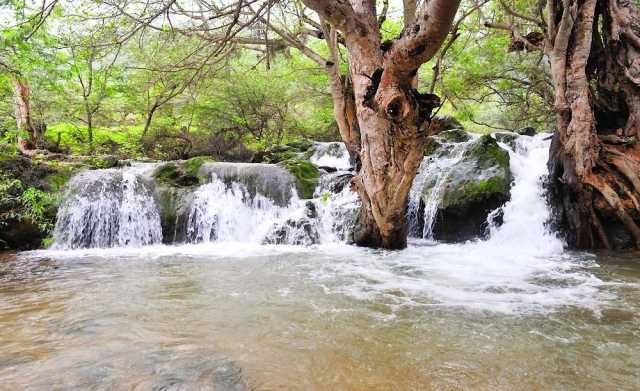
[[237, 316]]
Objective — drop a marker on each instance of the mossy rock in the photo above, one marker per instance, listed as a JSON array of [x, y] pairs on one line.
[[474, 187], [299, 149], [300, 145], [455, 136], [173, 174], [306, 173], [488, 153]]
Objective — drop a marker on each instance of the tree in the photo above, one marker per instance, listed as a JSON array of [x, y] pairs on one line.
[[94, 54], [380, 114], [390, 112], [594, 51], [21, 48]]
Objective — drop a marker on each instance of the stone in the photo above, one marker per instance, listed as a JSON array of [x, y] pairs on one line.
[[477, 185]]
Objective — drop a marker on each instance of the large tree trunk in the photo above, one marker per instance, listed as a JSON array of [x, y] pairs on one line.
[[24, 117], [390, 112], [594, 47]]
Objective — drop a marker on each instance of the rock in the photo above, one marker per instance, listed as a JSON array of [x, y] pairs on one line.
[[306, 174], [455, 135], [441, 123], [508, 138], [477, 185], [528, 131], [332, 156], [174, 208], [297, 232], [21, 234], [180, 173], [300, 149]]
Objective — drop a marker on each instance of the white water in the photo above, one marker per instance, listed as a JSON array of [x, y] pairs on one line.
[[108, 208], [437, 169], [230, 213], [333, 155], [520, 269]]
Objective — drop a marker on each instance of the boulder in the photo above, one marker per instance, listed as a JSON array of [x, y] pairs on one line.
[[300, 149], [528, 131], [508, 138], [441, 123], [301, 231], [473, 187]]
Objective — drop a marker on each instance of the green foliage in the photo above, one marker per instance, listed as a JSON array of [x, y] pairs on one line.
[[40, 207]]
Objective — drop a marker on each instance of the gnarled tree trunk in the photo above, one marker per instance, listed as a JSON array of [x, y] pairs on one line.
[[390, 111], [594, 48]]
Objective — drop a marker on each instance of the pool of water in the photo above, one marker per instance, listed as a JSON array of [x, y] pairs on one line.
[[233, 316]]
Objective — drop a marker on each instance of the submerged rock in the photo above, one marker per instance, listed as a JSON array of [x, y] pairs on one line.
[[301, 231], [473, 186]]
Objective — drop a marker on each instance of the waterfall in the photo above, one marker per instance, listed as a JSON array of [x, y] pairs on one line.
[[221, 212], [436, 169], [108, 208], [331, 155], [337, 206], [526, 215]]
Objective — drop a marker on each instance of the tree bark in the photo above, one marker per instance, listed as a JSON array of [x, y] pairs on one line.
[[24, 117], [594, 50], [390, 112]]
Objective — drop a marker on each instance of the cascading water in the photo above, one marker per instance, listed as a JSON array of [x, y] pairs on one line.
[[526, 215], [337, 206], [332, 155], [108, 208], [221, 212], [435, 169]]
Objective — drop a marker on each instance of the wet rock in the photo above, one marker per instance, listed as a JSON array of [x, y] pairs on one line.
[[297, 232], [300, 149], [306, 174], [174, 208], [455, 136], [528, 131], [508, 138], [275, 182], [442, 123], [332, 156], [21, 234], [475, 186]]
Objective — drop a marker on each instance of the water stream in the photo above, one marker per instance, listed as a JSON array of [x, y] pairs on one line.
[[513, 312]]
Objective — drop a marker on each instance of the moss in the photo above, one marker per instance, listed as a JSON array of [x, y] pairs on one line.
[[476, 191], [192, 166], [306, 173], [57, 180], [431, 146], [455, 135], [277, 157], [488, 153], [300, 145]]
